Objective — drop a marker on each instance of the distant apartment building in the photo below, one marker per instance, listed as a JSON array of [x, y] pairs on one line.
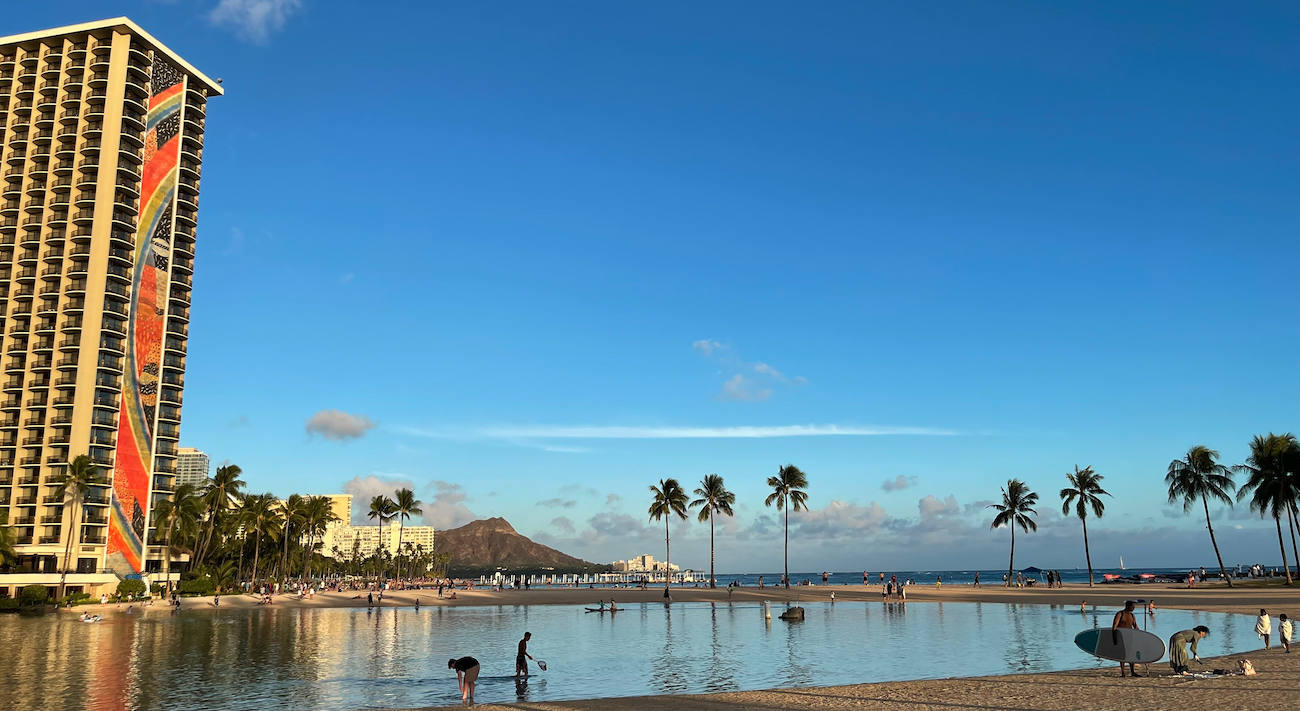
[[643, 564], [192, 467], [344, 541], [101, 145]]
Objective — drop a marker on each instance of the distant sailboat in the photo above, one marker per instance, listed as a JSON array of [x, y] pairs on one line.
[[1121, 563]]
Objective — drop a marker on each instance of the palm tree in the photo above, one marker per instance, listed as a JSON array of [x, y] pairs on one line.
[[381, 509], [8, 554], [1085, 489], [1198, 476], [182, 509], [224, 576], [260, 519], [318, 515], [404, 507], [1015, 510], [715, 499], [1274, 491], [291, 519], [218, 496], [669, 499], [74, 482], [788, 493]]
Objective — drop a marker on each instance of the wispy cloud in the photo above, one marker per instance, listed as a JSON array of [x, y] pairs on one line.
[[748, 381], [621, 432], [899, 483], [743, 389], [706, 347], [254, 19], [338, 426]]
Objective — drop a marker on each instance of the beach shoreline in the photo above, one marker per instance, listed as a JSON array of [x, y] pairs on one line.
[[1207, 597]]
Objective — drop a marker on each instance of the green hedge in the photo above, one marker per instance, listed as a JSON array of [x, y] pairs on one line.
[[34, 595], [130, 587], [8, 603], [75, 599], [198, 586]]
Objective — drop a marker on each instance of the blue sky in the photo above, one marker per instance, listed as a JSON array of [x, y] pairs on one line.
[[532, 257]]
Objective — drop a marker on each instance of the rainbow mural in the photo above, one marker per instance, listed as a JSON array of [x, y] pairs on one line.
[[133, 462]]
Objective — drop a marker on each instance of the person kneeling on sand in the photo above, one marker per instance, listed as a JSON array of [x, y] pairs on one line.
[[1178, 647], [467, 669]]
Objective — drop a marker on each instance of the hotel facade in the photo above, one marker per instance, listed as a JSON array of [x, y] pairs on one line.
[[101, 153]]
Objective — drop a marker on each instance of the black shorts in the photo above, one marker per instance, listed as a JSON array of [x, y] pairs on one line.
[[521, 664]]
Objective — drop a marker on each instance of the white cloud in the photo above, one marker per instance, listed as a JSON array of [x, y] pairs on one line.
[[741, 389], [254, 19], [707, 347], [899, 483], [558, 503], [447, 510], [932, 508], [840, 519], [367, 487], [336, 425]]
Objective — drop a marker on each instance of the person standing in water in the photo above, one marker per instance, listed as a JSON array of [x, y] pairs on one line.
[[1178, 647], [467, 670], [1124, 620], [521, 664]]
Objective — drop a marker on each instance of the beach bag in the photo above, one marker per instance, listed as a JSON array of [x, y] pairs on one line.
[[1246, 667]]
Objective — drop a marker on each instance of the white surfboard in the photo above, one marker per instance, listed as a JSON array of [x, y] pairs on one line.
[[1127, 646]]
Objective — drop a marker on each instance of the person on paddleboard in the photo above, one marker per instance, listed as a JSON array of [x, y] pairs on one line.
[[1124, 620]]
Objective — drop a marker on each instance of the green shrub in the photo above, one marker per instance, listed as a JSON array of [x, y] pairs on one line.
[[130, 587], [157, 589], [8, 603], [75, 599], [198, 586], [34, 595]]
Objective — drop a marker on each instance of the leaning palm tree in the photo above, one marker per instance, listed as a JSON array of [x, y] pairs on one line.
[[381, 509], [180, 511], [1015, 510], [1084, 493], [1198, 476], [1271, 490], [670, 498], [218, 498], [405, 505], [74, 482], [715, 499], [788, 493]]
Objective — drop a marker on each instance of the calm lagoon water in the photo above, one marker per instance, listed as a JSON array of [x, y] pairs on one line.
[[348, 659]]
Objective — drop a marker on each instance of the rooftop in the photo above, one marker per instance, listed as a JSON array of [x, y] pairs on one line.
[[122, 23]]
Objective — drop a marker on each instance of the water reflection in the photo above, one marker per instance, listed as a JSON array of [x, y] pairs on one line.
[[268, 659]]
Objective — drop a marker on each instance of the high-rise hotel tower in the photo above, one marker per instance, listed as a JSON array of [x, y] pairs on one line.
[[101, 153]]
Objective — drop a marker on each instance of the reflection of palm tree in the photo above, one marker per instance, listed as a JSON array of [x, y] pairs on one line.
[[1198, 476], [715, 499], [1273, 490]]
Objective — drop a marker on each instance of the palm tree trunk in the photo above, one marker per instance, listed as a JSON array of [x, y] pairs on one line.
[[787, 549], [668, 554], [399, 552], [1282, 545], [73, 529], [1087, 554], [257, 555], [1011, 564], [712, 581], [1222, 570], [242, 545], [167, 553], [1290, 525]]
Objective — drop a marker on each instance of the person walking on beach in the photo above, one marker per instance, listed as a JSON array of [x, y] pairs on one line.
[[467, 670], [1178, 647], [1051, 579], [864, 578], [1124, 619], [1264, 627], [760, 582], [521, 664], [977, 578], [1284, 632]]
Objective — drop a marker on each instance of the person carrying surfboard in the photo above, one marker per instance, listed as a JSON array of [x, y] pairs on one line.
[[1124, 619]]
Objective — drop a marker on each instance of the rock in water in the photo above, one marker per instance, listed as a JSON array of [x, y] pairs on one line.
[[794, 613]]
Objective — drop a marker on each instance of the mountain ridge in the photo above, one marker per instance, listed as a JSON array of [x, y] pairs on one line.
[[489, 544]]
